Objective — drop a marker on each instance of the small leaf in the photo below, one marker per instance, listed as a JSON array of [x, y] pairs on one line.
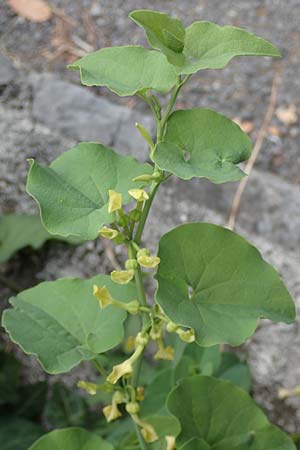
[[33, 10], [71, 439], [163, 32], [62, 324], [66, 408], [210, 46], [222, 416], [127, 70], [72, 192], [17, 433], [21, 230], [202, 143], [214, 281], [232, 369]]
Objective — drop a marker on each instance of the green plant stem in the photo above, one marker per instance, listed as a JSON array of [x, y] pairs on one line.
[[145, 212], [142, 443], [100, 368]]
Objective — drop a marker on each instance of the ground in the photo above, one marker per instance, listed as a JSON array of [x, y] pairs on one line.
[[44, 111]]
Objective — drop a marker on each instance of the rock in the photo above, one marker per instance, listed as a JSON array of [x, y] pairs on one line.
[[8, 72], [76, 112]]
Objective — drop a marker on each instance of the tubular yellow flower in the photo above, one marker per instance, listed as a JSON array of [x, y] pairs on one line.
[[122, 276], [90, 388], [103, 296], [187, 336], [146, 260], [112, 412], [165, 353], [125, 368], [108, 233], [148, 432], [171, 444], [115, 201], [138, 194]]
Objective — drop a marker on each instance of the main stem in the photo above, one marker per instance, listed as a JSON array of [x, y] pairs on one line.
[[161, 125]]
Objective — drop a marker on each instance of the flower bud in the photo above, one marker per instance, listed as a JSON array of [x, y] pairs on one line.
[[122, 276], [135, 215], [172, 327], [138, 194], [132, 408], [142, 339], [133, 307], [108, 233], [131, 264], [115, 201], [146, 177], [103, 296], [144, 133]]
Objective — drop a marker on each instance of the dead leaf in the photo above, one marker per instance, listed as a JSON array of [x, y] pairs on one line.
[[33, 10], [287, 115], [245, 125]]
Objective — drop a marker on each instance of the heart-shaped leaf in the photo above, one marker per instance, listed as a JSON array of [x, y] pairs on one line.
[[72, 192], [210, 46], [232, 369], [214, 281], [203, 143], [71, 439], [163, 32], [62, 324], [127, 70], [215, 414]]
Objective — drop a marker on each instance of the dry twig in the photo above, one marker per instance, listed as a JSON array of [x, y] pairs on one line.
[[256, 149]]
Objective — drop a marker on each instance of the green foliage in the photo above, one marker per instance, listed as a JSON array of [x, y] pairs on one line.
[[127, 70], [213, 286], [72, 192], [71, 439], [21, 230], [202, 143], [214, 281], [61, 322], [216, 414]]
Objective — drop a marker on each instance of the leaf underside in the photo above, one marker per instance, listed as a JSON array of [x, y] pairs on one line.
[[214, 281], [62, 324]]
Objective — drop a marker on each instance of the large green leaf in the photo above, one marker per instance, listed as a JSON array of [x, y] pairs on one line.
[[62, 324], [71, 439], [210, 46], [18, 434], [222, 416], [202, 143], [127, 70], [163, 32], [22, 230], [232, 369], [72, 192], [214, 281]]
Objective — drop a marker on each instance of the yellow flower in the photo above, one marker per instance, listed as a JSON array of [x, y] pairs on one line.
[[111, 412], [90, 388], [140, 393], [148, 432], [122, 276], [166, 353], [171, 444], [125, 368], [108, 233], [115, 201], [138, 194], [103, 296], [187, 336], [130, 344], [146, 260]]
